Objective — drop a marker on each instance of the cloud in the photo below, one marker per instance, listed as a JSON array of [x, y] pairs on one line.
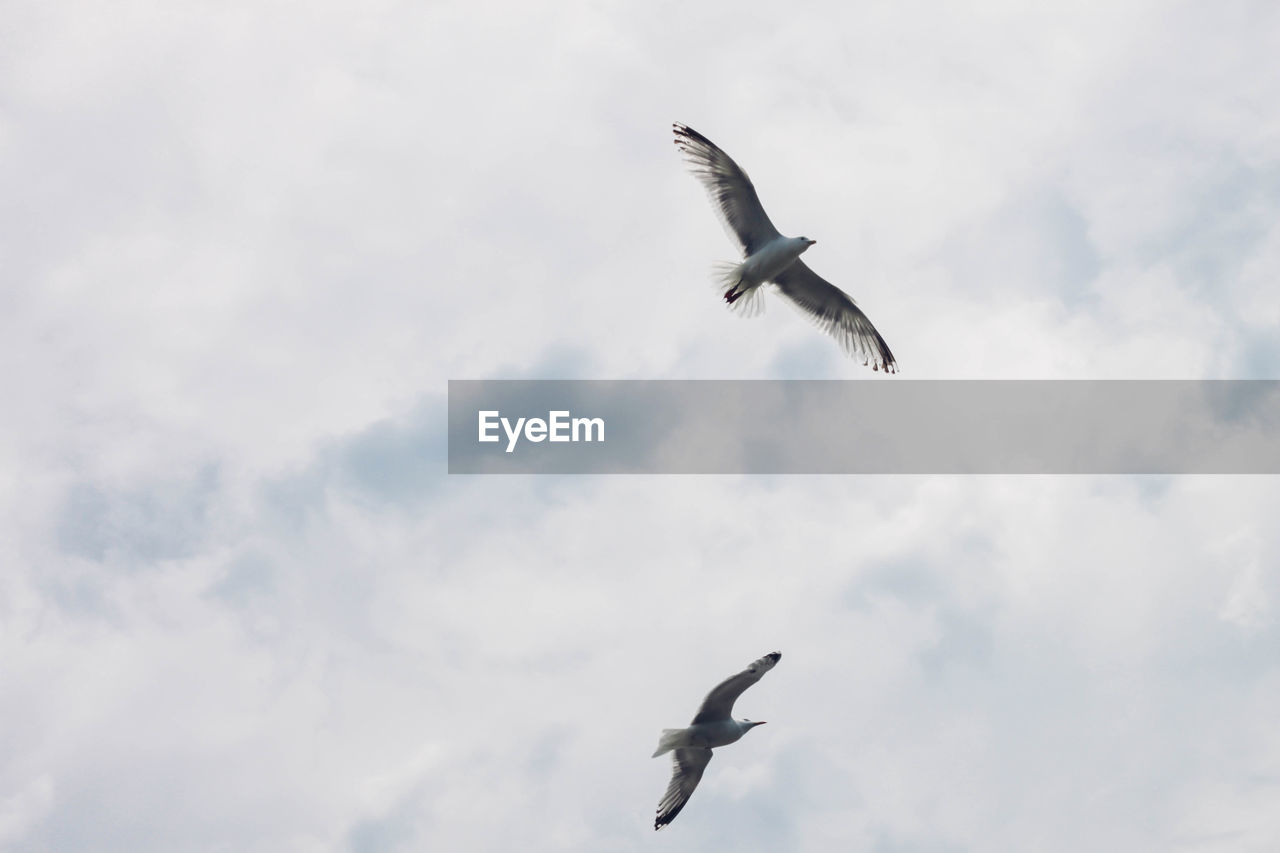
[[147, 525], [245, 247]]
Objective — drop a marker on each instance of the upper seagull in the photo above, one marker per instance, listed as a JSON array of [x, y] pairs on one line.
[[770, 258], [712, 726]]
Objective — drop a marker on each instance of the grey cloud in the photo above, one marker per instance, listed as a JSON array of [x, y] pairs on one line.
[[383, 835], [809, 360], [1036, 242], [393, 462], [887, 841], [247, 578], [141, 524], [1258, 355], [914, 581], [1221, 226]]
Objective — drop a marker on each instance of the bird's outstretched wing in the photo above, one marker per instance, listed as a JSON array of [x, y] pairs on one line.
[[731, 191], [837, 314], [719, 702], [687, 766]]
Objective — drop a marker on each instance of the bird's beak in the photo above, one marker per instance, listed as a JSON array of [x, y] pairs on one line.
[[761, 722], [811, 242]]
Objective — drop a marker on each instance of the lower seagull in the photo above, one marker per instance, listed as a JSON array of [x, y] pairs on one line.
[[712, 726]]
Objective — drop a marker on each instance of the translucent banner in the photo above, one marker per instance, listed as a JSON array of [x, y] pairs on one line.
[[863, 427]]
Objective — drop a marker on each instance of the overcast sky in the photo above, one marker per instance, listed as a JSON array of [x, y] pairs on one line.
[[244, 245]]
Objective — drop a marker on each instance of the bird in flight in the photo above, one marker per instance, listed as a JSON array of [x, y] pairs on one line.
[[770, 258], [712, 726]]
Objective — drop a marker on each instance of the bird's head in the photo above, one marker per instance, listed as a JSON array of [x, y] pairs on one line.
[[805, 242], [751, 724]]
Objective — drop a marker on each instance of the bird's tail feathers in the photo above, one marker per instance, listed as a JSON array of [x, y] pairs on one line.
[[731, 284], [670, 739]]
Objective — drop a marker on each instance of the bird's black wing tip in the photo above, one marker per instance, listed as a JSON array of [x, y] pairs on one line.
[[774, 656], [686, 132]]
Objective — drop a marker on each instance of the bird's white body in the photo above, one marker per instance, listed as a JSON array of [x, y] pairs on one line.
[[772, 258], [704, 735], [742, 283]]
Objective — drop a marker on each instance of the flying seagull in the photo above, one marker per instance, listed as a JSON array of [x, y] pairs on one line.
[[770, 258], [711, 727]]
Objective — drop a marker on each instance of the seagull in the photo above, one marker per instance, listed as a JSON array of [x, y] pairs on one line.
[[711, 727], [770, 258]]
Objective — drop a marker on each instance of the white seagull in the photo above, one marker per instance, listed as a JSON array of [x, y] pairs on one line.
[[770, 258], [711, 727]]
